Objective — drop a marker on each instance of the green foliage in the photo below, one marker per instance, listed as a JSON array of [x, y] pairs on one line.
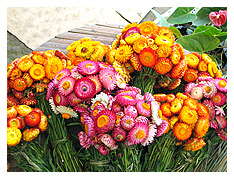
[[182, 15], [161, 19]]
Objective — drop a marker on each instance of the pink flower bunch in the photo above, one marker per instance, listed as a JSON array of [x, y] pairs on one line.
[[212, 92], [70, 91], [127, 117]]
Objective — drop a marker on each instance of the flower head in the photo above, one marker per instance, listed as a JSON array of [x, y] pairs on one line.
[[88, 67], [222, 133], [140, 44], [197, 93], [219, 99], [188, 115], [66, 85], [188, 87], [61, 74], [125, 100], [100, 98], [190, 75], [97, 82], [108, 141], [218, 18], [124, 53], [119, 134], [85, 88], [148, 28], [30, 134], [221, 84], [143, 108], [138, 133], [13, 136], [142, 119], [108, 78], [194, 144], [127, 122], [148, 57], [161, 128], [59, 99], [84, 49], [120, 81], [201, 126], [131, 111], [85, 140], [150, 138], [182, 131], [209, 89], [105, 121]]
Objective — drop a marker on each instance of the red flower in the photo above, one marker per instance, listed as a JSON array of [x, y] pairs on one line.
[[218, 18]]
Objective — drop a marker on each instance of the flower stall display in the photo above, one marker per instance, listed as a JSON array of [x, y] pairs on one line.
[[141, 104]]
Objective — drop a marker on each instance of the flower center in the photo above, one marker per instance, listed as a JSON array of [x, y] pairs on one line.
[[84, 50], [118, 117], [182, 131], [86, 128], [110, 77], [222, 83], [14, 123], [119, 137], [96, 103], [216, 99], [128, 121], [117, 106], [60, 75], [54, 69], [128, 97], [95, 112], [58, 99], [82, 119], [140, 134], [66, 115], [159, 113], [89, 65], [37, 72], [146, 106], [102, 121], [207, 89], [84, 88], [66, 85]]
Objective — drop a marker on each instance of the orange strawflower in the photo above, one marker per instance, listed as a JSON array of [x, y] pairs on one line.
[[192, 60], [206, 58], [174, 83], [188, 115], [77, 60], [194, 144], [167, 32], [148, 28], [175, 56], [166, 109], [28, 79], [170, 97], [202, 110], [37, 72], [124, 53], [135, 62], [176, 106], [212, 68], [38, 59], [160, 97], [191, 103], [163, 65], [182, 131], [173, 120], [162, 39], [190, 75], [52, 67], [179, 69], [25, 64], [201, 127], [19, 84], [202, 66], [181, 96], [148, 57], [140, 44], [219, 74], [181, 50], [164, 50]]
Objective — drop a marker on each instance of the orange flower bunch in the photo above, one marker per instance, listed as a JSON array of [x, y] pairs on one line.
[[200, 63], [31, 121], [188, 119]]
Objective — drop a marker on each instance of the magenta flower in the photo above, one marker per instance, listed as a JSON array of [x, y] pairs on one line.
[[218, 18]]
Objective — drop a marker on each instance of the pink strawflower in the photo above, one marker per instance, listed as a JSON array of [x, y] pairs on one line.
[[138, 133], [105, 121], [221, 84], [142, 119], [59, 99], [210, 107], [214, 124], [97, 82], [108, 141], [105, 66], [188, 87], [150, 138], [88, 67], [73, 99], [197, 93], [120, 81], [149, 97], [119, 134], [96, 110], [50, 90], [88, 124], [131, 111], [127, 122], [219, 99], [85, 140], [218, 18], [209, 89], [161, 128], [81, 109], [126, 93], [75, 74], [60, 75], [125, 100], [222, 122], [103, 149], [222, 133], [107, 78], [143, 108], [116, 107], [133, 88]]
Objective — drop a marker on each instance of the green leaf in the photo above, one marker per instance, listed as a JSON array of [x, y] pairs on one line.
[[207, 30], [199, 43], [175, 31], [182, 15], [203, 15], [161, 19], [222, 36]]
